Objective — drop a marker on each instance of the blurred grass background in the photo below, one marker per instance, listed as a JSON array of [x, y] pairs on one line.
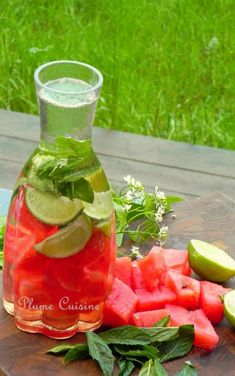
[[168, 65]]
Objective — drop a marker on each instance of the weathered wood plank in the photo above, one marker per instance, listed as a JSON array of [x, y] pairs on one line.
[[168, 178], [136, 147]]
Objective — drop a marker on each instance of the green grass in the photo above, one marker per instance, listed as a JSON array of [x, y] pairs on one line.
[[168, 65]]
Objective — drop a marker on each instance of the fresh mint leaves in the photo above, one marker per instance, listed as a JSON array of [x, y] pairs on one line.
[[145, 348], [100, 352], [187, 370]]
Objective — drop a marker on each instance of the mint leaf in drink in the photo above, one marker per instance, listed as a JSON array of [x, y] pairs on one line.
[[80, 189], [79, 351], [125, 367], [140, 351], [126, 335], [163, 322], [152, 368], [178, 347], [61, 349], [100, 352], [187, 370], [71, 147]]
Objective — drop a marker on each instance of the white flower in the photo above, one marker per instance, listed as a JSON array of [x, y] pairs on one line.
[[160, 195], [129, 195], [127, 179], [127, 207], [135, 252], [159, 214], [163, 233]]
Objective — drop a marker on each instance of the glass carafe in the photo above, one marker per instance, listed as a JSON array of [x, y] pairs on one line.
[[60, 234]]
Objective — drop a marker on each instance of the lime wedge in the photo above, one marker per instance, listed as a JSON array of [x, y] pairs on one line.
[[98, 181], [210, 262], [229, 307], [105, 227], [67, 241], [51, 209], [102, 206]]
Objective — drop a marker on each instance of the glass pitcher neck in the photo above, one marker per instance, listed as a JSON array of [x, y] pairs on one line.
[[67, 93]]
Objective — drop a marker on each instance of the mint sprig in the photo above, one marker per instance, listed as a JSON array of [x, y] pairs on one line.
[[139, 214], [144, 348]]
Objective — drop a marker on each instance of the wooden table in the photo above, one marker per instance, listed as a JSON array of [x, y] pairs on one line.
[[177, 168]]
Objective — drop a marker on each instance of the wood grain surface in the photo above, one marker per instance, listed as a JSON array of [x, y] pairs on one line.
[[176, 167], [210, 218]]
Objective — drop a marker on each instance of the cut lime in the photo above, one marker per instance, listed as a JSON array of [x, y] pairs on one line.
[[98, 181], [229, 307], [67, 241], [105, 227], [102, 206], [51, 209], [210, 262]]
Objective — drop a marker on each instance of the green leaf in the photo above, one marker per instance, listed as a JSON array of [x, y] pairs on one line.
[[100, 352], [172, 199], [152, 368], [2, 234], [179, 346], [160, 370], [163, 322], [187, 370], [80, 189], [143, 351], [126, 335], [162, 334], [125, 367], [61, 349], [79, 351], [70, 147]]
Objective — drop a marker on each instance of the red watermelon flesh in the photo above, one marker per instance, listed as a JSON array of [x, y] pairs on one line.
[[210, 301], [150, 270], [177, 260], [187, 289], [137, 281], [205, 335], [155, 299], [149, 318], [123, 269], [120, 305]]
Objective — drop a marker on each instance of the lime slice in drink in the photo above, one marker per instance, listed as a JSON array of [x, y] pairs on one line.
[[51, 209], [102, 206], [98, 181], [67, 241], [105, 227], [229, 307], [210, 262]]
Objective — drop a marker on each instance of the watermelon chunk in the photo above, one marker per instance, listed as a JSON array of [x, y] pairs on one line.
[[187, 289], [123, 269], [155, 299], [149, 318], [177, 260], [137, 281], [120, 305], [152, 266], [210, 301], [205, 335]]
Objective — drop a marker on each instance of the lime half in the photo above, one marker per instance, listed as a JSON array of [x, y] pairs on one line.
[[210, 262], [67, 241], [51, 209], [229, 307], [102, 206], [98, 181]]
